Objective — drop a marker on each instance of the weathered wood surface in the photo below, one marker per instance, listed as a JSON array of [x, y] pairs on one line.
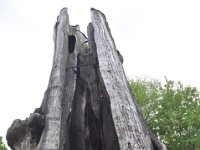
[[88, 104]]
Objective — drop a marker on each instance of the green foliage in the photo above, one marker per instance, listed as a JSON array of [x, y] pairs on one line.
[[2, 145], [171, 110]]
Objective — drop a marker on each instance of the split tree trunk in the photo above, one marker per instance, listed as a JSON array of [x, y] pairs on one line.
[[88, 104]]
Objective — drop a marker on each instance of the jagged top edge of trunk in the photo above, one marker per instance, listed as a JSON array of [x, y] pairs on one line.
[[96, 15]]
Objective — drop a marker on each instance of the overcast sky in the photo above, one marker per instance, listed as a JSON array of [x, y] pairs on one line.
[[157, 38]]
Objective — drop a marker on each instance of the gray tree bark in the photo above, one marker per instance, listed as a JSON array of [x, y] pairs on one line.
[[88, 104]]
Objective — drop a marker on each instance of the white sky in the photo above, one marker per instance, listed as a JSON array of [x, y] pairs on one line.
[[157, 38]]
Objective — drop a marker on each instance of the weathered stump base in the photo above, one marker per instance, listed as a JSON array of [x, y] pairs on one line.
[[88, 104]]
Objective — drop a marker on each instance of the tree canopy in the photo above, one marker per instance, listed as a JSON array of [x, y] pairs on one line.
[[172, 111], [2, 145]]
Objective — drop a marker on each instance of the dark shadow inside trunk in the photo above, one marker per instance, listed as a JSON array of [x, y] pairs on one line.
[[71, 42]]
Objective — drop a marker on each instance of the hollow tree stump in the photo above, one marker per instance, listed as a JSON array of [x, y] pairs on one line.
[[88, 104]]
